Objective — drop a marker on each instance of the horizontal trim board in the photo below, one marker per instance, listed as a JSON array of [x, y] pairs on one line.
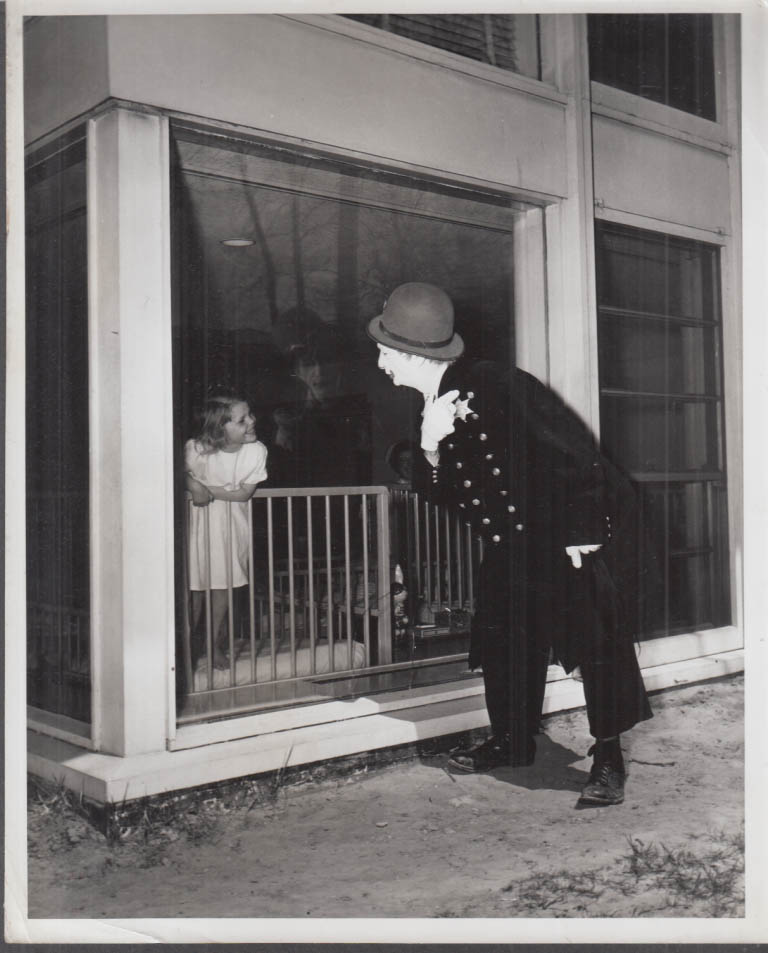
[[110, 779], [604, 213], [415, 50], [622, 106], [59, 726]]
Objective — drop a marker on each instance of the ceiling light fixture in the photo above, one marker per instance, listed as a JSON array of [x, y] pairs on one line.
[[237, 242]]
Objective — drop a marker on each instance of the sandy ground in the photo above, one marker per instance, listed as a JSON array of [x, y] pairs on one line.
[[412, 840]]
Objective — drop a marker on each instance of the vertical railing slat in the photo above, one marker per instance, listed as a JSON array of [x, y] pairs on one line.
[[438, 562], [313, 617], [459, 560], [208, 597], [428, 556], [187, 634], [347, 585], [366, 595], [271, 601], [470, 568], [291, 588], [417, 544], [230, 597], [448, 559], [383, 580], [251, 593], [329, 577]]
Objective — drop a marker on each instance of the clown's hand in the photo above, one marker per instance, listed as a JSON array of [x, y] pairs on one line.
[[438, 416], [575, 553]]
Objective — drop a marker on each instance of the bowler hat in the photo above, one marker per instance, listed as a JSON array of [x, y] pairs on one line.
[[418, 319]]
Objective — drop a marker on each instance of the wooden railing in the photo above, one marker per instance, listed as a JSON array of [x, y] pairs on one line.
[[319, 596]]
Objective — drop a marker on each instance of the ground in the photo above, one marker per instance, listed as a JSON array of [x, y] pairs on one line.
[[413, 840]]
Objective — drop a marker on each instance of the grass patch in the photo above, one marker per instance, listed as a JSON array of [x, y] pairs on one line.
[[652, 880], [713, 878]]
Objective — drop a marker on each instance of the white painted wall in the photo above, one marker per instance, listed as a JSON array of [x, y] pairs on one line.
[[65, 71], [298, 78], [671, 180]]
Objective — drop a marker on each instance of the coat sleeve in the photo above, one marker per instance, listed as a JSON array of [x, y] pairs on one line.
[[567, 445]]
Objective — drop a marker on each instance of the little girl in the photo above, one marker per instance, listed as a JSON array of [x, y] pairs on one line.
[[223, 464]]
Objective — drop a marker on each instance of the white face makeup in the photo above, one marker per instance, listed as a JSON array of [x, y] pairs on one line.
[[240, 428], [402, 371]]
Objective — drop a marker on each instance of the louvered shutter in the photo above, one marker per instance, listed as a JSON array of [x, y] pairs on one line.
[[488, 38]]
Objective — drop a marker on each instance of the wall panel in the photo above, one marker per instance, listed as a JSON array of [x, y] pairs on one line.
[[644, 173], [297, 79]]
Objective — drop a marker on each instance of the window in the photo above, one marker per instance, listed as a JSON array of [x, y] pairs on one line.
[[280, 259], [509, 41], [668, 58], [661, 412], [58, 552]]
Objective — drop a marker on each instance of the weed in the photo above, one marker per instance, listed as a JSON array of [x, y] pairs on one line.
[[45, 798], [704, 883], [714, 876], [269, 791]]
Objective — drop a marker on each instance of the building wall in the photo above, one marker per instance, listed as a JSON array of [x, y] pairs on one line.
[[345, 88], [65, 71], [643, 172]]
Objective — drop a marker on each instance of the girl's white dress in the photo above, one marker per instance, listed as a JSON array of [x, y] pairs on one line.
[[211, 526]]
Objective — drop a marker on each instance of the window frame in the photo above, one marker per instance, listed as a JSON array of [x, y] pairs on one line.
[[724, 550], [528, 263], [37, 157], [612, 102]]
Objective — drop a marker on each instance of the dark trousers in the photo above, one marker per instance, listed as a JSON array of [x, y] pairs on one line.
[[514, 638]]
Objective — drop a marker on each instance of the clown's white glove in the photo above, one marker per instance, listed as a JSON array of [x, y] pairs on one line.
[[575, 553], [437, 422]]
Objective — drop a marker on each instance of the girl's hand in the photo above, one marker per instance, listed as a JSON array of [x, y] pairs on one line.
[[201, 495]]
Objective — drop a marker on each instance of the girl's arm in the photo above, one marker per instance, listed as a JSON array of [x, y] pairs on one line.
[[201, 495], [240, 495]]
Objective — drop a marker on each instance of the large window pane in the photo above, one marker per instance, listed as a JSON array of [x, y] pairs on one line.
[[657, 434], [637, 354], [661, 413], [58, 554], [280, 259], [696, 590], [666, 57], [653, 274]]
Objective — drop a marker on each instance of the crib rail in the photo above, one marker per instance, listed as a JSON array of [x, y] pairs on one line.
[[441, 555], [318, 600]]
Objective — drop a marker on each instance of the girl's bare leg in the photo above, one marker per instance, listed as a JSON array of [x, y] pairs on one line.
[[197, 641], [219, 603]]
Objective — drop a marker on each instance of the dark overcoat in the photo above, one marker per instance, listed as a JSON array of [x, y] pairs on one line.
[[528, 476]]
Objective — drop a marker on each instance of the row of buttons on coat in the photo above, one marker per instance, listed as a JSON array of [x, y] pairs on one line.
[[495, 471]]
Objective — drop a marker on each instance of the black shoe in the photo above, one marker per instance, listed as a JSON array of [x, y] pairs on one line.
[[494, 752], [606, 778]]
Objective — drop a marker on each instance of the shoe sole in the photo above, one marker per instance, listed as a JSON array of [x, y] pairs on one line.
[[466, 769], [601, 801]]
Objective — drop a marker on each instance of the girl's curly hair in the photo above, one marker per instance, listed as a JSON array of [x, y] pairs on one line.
[[215, 412]]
